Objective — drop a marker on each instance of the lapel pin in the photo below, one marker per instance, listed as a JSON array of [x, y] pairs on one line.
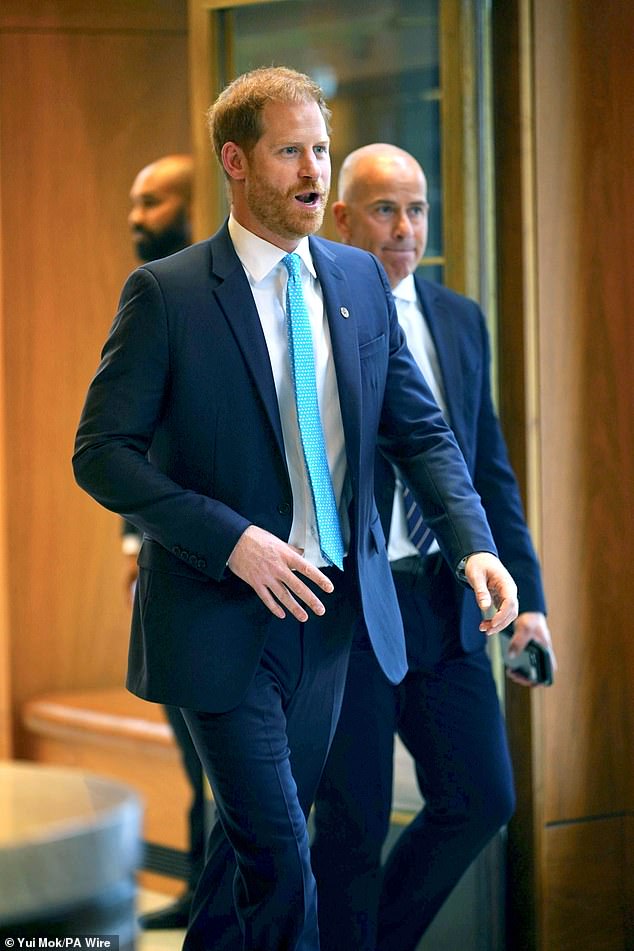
[[344, 312]]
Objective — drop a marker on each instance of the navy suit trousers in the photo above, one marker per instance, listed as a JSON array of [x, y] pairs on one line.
[[263, 760], [197, 809], [446, 711]]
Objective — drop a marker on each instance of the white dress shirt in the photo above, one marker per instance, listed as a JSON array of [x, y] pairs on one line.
[[268, 277], [420, 342]]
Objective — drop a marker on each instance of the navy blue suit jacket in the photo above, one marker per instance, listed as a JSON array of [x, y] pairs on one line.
[[181, 434], [459, 333]]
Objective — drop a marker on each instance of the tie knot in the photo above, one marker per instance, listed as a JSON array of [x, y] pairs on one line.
[[291, 263]]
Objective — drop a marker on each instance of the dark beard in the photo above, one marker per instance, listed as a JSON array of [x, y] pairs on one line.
[[149, 246]]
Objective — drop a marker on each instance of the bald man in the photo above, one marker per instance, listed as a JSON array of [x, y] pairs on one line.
[[160, 216], [160, 224], [446, 710]]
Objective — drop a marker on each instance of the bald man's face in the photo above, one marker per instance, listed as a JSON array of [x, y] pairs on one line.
[[160, 216], [386, 213]]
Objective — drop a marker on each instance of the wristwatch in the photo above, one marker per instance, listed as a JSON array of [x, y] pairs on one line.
[[460, 570], [462, 564]]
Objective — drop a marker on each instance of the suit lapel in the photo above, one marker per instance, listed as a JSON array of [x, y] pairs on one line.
[[447, 347], [234, 297], [236, 301], [345, 346]]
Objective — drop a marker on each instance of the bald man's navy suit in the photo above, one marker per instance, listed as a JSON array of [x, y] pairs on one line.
[[446, 710], [181, 434]]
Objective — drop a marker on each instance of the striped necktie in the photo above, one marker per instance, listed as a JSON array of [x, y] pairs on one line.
[[419, 534], [300, 347]]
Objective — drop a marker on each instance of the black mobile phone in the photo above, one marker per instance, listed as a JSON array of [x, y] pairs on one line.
[[534, 662]]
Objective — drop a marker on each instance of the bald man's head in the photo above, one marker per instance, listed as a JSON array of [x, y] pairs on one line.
[[161, 196], [382, 207]]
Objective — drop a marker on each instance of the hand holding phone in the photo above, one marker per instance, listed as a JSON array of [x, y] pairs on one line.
[[534, 662]]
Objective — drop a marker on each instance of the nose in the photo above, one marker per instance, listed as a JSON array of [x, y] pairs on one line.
[[135, 217], [310, 167], [403, 225]]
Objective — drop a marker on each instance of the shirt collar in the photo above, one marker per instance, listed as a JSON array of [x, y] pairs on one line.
[[258, 256], [406, 289]]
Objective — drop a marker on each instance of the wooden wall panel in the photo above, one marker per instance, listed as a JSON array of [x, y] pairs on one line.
[[584, 112], [587, 396], [5, 645], [90, 15], [628, 875], [606, 91], [586, 898], [81, 110], [567, 245]]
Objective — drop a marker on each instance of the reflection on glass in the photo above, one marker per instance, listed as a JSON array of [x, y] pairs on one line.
[[378, 64]]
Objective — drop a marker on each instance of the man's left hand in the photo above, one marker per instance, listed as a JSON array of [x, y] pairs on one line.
[[494, 590]]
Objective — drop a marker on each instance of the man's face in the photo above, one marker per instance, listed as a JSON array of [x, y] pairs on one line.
[[159, 218], [386, 213], [283, 182]]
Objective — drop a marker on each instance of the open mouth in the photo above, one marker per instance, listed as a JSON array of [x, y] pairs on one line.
[[310, 199]]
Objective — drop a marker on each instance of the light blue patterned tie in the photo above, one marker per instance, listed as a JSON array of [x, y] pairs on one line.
[[300, 348]]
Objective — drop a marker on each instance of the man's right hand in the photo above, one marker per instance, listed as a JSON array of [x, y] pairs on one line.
[[273, 568]]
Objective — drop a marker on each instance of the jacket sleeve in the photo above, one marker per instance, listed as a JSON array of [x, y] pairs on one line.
[[495, 481], [113, 448]]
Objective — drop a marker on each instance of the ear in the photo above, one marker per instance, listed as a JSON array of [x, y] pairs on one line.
[[234, 161], [341, 215]]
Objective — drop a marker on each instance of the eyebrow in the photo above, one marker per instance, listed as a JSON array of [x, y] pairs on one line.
[[297, 143], [391, 201]]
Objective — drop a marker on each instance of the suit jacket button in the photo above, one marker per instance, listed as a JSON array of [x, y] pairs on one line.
[[284, 508], [201, 563], [193, 560], [176, 550]]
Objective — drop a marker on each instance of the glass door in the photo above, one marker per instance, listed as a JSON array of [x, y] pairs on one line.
[[399, 71]]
